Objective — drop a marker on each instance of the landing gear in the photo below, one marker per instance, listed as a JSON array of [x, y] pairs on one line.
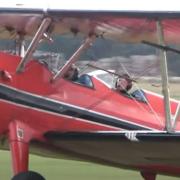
[[29, 175], [148, 175], [19, 147], [19, 138]]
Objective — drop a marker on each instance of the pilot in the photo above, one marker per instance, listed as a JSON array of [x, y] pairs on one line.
[[123, 84], [73, 73]]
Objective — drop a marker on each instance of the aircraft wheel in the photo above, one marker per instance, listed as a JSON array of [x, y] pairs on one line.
[[29, 175]]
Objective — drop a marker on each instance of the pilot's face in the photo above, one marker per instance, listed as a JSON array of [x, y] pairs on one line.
[[70, 74], [121, 84]]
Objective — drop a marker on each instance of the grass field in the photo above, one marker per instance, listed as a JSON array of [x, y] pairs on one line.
[[54, 169], [173, 87]]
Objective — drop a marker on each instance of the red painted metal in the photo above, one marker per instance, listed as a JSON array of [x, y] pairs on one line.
[[20, 154], [148, 175], [19, 147]]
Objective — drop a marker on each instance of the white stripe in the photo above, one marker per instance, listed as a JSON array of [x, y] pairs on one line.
[[113, 5], [135, 131], [59, 115], [140, 132]]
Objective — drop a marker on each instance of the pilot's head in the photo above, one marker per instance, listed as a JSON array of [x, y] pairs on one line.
[[123, 83], [72, 73]]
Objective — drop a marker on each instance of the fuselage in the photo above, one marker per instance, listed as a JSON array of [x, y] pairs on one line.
[[33, 98]]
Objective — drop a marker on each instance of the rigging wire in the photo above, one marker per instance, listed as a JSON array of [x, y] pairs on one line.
[[135, 100], [149, 105]]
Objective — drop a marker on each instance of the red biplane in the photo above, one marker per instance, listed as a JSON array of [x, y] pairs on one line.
[[86, 119]]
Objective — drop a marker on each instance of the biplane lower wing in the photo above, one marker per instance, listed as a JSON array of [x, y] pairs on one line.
[[144, 151]]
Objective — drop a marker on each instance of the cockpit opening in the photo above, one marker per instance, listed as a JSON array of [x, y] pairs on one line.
[[111, 82]]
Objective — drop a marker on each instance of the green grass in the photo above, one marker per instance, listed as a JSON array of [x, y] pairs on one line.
[[55, 169], [173, 87]]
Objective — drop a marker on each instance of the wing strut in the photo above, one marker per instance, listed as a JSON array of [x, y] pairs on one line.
[[87, 43], [177, 115], [39, 34], [20, 46], [164, 77]]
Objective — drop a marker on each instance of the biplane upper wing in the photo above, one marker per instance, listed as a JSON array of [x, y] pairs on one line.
[[123, 20]]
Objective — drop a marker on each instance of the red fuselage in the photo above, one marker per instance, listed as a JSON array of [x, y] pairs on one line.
[[109, 109]]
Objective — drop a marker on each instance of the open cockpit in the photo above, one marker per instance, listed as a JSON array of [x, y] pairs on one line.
[[109, 80]]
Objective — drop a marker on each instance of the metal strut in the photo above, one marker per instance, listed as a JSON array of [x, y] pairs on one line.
[[39, 34], [164, 77], [87, 43], [20, 46]]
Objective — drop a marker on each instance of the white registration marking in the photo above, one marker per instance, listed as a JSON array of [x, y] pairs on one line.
[[131, 135]]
